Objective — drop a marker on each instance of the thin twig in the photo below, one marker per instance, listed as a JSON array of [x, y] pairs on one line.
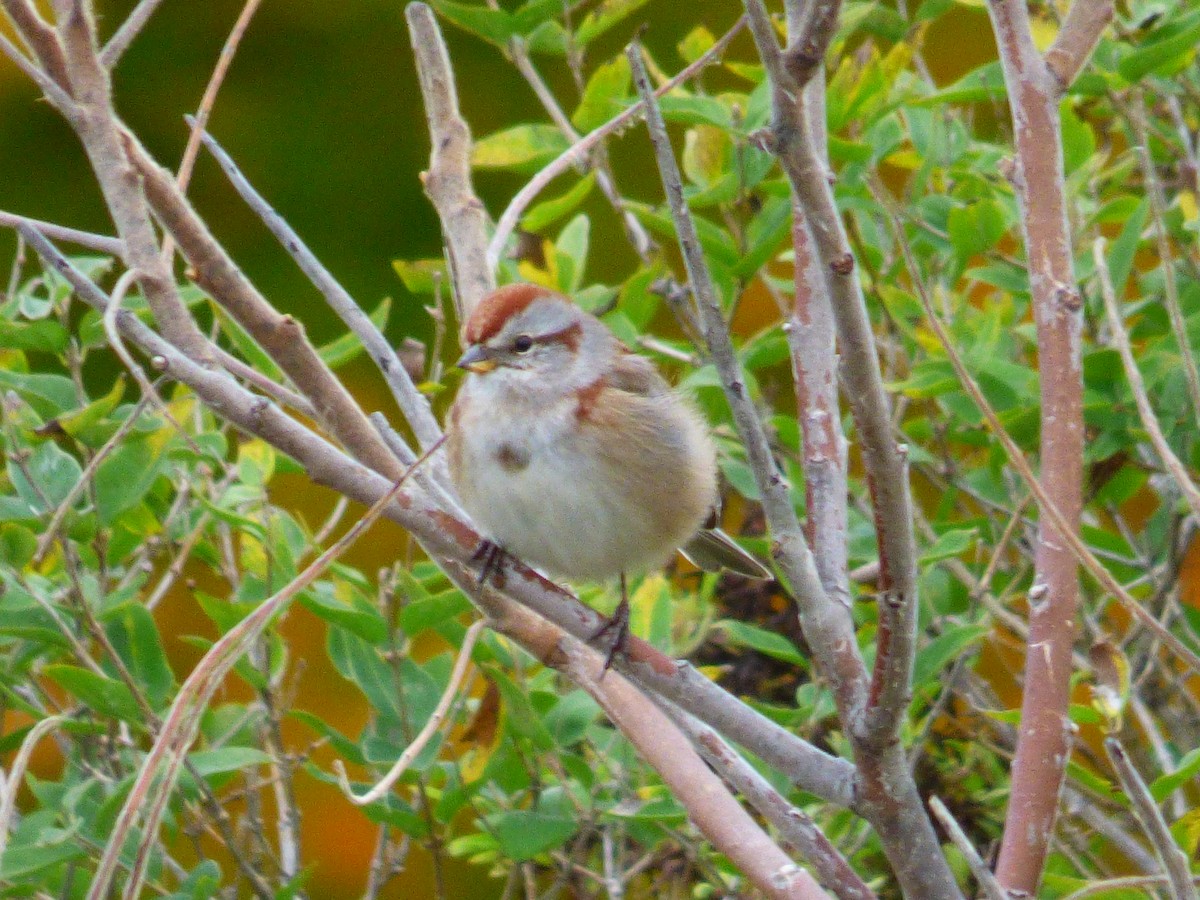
[[384, 785], [1173, 464], [412, 402], [1174, 860], [580, 151], [133, 24], [983, 875], [105, 244]]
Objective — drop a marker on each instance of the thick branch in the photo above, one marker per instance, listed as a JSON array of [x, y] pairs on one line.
[[448, 181], [1080, 32], [886, 464], [1043, 739]]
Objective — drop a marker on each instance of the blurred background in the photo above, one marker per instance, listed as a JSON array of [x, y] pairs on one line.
[[322, 112]]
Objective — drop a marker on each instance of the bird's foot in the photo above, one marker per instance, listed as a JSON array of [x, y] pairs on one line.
[[618, 628], [490, 556]]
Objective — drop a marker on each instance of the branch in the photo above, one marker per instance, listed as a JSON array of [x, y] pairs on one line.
[[412, 402], [579, 152], [827, 625], [983, 875], [448, 180], [709, 804], [282, 337], [452, 543], [792, 823], [813, 350], [95, 121], [130, 28], [108, 245], [811, 26], [1077, 38], [1141, 399], [886, 464], [1174, 860], [1043, 737]]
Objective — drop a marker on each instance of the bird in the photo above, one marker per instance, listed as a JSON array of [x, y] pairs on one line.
[[574, 454]]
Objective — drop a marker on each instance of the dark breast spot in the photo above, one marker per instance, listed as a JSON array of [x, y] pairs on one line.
[[512, 459]]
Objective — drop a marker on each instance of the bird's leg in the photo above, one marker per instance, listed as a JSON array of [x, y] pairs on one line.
[[619, 625], [490, 557]]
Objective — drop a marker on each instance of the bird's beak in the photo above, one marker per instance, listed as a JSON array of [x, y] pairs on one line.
[[477, 359]]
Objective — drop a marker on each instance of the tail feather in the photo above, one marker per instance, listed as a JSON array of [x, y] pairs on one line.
[[712, 549]]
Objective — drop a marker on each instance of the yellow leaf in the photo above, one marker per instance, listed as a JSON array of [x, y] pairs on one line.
[[1044, 32], [1187, 205]]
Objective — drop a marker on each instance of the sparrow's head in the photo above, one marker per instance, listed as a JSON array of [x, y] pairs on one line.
[[527, 333]]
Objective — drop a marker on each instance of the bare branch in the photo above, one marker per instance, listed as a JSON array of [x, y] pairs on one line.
[[793, 824], [579, 152], [448, 181], [983, 875], [281, 336], [43, 42], [108, 245], [1077, 38], [412, 402], [811, 26], [418, 743], [886, 464], [1174, 860], [130, 28], [1173, 464], [1043, 738]]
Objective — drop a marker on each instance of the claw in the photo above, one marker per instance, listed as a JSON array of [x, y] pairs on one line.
[[490, 557], [619, 624]]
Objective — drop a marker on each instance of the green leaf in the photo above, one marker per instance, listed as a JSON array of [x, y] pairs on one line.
[[81, 420], [951, 643], [342, 350], [605, 94], [1175, 47], [976, 227], [1079, 142], [694, 109], [951, 543], [550, 211], [570, 253], [695, 44], [245, 345], [770, 643], [493, 25], [1163, 786], [124, 478], [429, 612], [17, 545], [421, 275], [520, 716], [43, 337], [604, 17], [523, 148], [1124, 248], [341, 605], [524, 834], [105, 695], [227, 759], [52, 473], [48, 394], [23, 861], [134, 635], [981, 85]]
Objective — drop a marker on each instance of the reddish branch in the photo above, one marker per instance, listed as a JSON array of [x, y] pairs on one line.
[[1035, 85]]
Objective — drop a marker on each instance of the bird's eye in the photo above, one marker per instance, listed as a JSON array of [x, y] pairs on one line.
[[522, 343]]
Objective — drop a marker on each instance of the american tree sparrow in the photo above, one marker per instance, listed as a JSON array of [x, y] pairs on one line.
[[572, 453]]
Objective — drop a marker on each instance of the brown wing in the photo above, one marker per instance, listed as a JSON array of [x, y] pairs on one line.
[[636, 375]]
